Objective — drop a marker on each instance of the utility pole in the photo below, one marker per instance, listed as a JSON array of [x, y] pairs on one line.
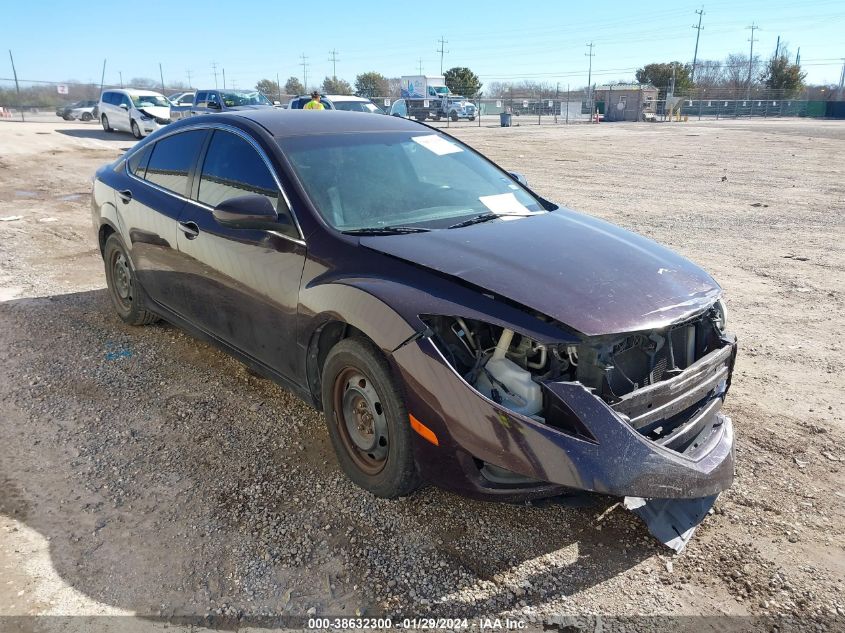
[[304, 64], [698, 28], [753, 28], [591, 54], [161, 76], [420, 64], [120, 72], [798, 57], [278, 88], [842, 80], [188, 72], [18, 88], [102, 77], [224, 79], [214, 70], [334, 60], [777, 47], [441, 50]]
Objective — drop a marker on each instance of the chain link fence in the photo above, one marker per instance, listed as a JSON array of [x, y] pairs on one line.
[[40, 100]]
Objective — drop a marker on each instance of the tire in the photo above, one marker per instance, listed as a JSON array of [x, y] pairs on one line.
[[357, 380], [472, 118], [86, 116], [136, 131], [453, 116], [126, 295], [420, 117], [105, 121]]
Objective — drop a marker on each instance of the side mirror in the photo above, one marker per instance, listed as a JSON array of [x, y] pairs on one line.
[[277, 103], [252, 211], [519, 178], [213, 105], [124, 106]]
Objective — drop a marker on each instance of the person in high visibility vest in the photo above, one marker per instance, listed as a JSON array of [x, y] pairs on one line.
[[314, 104]]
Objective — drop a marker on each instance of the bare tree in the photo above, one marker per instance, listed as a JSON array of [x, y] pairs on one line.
[[709, 74], [736, 72]]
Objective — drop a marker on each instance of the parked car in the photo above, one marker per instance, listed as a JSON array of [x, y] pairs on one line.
[[453, 325], [182, 98], [137, 111], [214, 101], [348, 103], [82, 110]]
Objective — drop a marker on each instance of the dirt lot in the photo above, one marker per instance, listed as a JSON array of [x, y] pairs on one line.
[[143, 472]]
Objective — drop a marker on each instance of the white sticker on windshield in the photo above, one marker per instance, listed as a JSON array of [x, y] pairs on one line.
[[436, 144], [504, 203]]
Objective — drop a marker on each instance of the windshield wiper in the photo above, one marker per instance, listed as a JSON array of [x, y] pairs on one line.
[[386, 230], [486, 217]]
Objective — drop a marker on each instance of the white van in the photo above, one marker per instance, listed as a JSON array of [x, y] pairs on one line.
[[138, 111]]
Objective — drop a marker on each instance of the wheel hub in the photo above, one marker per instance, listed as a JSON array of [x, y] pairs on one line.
[[122, 277], [363, 417]]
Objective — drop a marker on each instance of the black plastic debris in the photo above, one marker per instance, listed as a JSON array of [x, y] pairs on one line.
[[671, 521]]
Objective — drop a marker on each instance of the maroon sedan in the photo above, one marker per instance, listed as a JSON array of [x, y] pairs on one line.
[[453, 325]]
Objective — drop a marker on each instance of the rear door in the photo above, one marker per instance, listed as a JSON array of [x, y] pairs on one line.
[[242, 285], [121, 112], [150, 207]]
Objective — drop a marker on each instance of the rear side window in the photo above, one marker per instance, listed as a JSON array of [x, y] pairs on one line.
[[108, 97], [137, 163], [233, 168], [172, 159]]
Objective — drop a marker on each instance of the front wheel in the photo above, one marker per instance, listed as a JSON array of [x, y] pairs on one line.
[[453, 116], [367, 421], [136, 131]]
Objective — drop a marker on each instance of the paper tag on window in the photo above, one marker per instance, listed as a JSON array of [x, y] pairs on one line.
[[504, 203], [436, 144]]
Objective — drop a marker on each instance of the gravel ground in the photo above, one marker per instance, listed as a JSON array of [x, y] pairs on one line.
[[143, 472]]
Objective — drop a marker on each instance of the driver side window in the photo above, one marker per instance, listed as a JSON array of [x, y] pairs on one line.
[[233, 168]]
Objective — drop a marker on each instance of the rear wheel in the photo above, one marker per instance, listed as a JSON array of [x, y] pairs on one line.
[[86, 116], [126, 295], [367, 420], [105, 121]]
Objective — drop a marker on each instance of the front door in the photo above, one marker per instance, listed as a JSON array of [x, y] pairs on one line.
[[241, 285]]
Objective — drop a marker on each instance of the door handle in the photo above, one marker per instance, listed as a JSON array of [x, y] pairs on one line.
[[190, 229], [125, 196]]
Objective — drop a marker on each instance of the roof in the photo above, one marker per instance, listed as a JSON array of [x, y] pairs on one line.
[[306, 122], [626, 87]]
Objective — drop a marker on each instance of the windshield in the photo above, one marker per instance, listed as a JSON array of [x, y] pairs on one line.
[[355, 106], [234, 98], [150, 101], [393, 179]]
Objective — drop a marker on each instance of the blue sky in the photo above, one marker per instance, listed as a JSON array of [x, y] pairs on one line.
[[544, 41]]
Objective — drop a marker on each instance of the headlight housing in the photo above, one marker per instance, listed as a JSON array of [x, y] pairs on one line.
[[720, 312]]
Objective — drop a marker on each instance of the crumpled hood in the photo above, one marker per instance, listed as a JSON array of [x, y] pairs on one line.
[[158, 112], [250, 107], [593, 276]]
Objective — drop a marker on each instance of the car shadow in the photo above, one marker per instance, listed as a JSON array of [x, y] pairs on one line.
[[169, 481], [97, 133]]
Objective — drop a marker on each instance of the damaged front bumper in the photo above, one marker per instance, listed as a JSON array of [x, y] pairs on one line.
[[667, 441]]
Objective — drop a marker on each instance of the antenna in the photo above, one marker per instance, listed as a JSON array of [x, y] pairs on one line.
[[698, 28]]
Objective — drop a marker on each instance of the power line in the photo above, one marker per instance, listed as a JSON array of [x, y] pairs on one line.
[[441, 50], [334, 60], [751, 39], [698, 28]]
